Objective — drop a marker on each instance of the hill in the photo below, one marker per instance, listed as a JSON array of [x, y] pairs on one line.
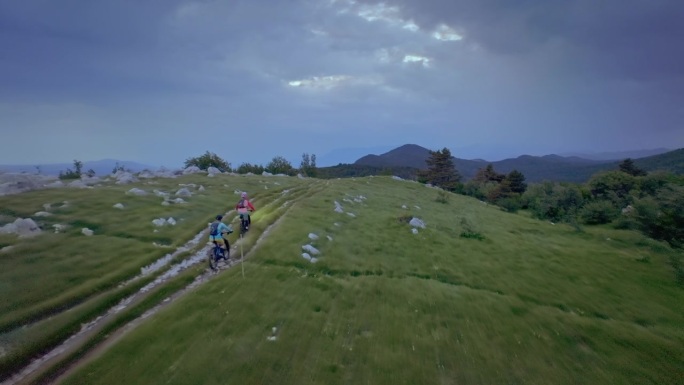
[[336, 286], [535, 168]]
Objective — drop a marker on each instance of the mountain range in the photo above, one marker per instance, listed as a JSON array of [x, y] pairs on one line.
[[535, 168]]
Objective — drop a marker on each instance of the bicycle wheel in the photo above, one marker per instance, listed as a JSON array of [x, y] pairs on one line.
[[213, 258]]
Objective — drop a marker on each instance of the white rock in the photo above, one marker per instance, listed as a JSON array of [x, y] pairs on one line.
[[213, 170], [306, 256], [171, 221], [118, 206], [47, 206], [271, 338], [125, 178], [78, 184], [404, 207], [136, 191], [59, 228], [313, 236], [266, 173], [329, 237], [201, 188], [311, 249], [414, 230], [337, 224], [178, 200], [184, 192], [352, 215], [415, 222], [22, 227], [42, 214], [338, 207], [300, 176], [57, 183], [87, 232], [165, 203], [160, 193], [191, 170], [159, 222], [396, 177], [418, 207], [4, 250]]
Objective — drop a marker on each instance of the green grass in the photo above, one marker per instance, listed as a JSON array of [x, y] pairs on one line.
[[42, 277], [527, 303]]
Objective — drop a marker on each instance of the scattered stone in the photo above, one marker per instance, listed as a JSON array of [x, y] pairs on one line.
[[55, 184], [404, 207], [166, 203], [271, 338], [171, 221], [22, 227], [417, 207], [4, 250], [47, 206], [352, 215], [415, 222], [136, 191], [160, 193], [87, 232], [311, 249], [14, 183], [124, 177], [178, 200], [159, 222], [184, 192], [201, 188], [118, 206], [414, 230], [336, 224], [627, 210], [42, 214], [191, 170], [300, 176], [313, 236], [213, 170], [78, 184], [306, 256], [59, 228], [396, 177], [314, 259], [338, 207], [329, 237]]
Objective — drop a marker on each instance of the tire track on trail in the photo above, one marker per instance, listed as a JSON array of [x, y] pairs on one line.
[[57, 370]]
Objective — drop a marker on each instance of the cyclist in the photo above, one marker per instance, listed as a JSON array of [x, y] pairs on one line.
[[243, 207], [216, 232]]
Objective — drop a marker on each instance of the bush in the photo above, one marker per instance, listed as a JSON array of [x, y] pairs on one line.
[[248, 167], [598, 212], [73, 174], [209, 159], [468, 230], [511, 204], [442, 197], [280, 165]]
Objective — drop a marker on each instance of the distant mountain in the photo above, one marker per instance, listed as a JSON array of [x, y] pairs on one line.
[[535, 168], [101, 167], [620, 155]]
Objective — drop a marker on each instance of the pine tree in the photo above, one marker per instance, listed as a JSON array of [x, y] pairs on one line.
[[441, 171], [628, 166]]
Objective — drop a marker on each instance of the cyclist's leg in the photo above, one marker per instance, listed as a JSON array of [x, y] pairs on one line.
[[226, 244]]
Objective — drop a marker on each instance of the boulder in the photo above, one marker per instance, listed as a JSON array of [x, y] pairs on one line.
[[313, 236], [266, 173], [118, 206], [87, 232], [42, 214], [171, 221], [415, 222], [311, 249], [184, 192], [136, 191], [23, 227], [191, 170], [213, 170], [159, 222]]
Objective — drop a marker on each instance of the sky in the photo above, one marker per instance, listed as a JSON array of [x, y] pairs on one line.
[[160, 81]]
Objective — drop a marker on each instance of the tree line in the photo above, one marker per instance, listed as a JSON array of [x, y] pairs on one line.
[[277, 165]]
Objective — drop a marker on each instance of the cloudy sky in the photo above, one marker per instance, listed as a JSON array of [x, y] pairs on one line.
[[158, 81]]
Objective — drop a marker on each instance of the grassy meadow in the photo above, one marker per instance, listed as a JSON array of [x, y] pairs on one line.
[[519, 301]]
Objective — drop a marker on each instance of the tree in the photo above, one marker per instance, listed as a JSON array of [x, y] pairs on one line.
[[441, 171], [72, 174], [516, 181], [245, 168], [488, 174], [280, 165], [209, 159], [628, 166], [308, 165]]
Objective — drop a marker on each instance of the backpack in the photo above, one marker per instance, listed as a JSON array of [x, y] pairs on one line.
[[241, 204], [213, 230]]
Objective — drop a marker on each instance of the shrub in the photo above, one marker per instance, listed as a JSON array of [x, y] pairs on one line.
[[209, 159], [73, 174], [468, 230], [442, 197], [511, 204], [280, 165], [598, 212]]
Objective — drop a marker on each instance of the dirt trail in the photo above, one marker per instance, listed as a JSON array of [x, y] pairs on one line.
[[38, 366]]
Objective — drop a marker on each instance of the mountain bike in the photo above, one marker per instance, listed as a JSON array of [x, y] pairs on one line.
[[217, 253], [244, 223]]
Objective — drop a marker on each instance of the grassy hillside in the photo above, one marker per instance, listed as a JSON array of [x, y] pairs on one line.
[[519, 301]]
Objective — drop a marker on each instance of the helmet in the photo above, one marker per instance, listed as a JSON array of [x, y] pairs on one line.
[[243, 195], [219, 217]]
